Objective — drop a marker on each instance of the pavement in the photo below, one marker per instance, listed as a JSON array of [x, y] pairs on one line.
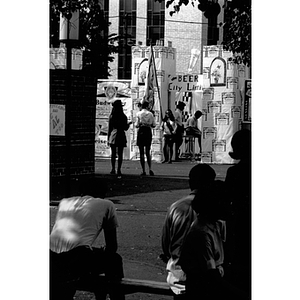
[[141, 215]]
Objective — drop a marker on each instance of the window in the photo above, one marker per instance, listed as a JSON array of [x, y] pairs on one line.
[[155, 21], [127, 31]]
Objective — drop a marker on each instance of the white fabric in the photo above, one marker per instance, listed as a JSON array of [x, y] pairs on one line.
[[145, 118], [175, 275], [79, 221]]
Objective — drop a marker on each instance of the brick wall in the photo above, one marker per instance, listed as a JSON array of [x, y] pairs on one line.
[[82, 124]]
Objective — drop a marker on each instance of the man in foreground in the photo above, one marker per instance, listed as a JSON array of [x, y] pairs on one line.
[[178, 221], [79, 221]]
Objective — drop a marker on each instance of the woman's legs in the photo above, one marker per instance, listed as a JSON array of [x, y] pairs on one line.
[[170, 150], [120, 159], [166, 150], [113, 158], [148, 156], [142, 158]]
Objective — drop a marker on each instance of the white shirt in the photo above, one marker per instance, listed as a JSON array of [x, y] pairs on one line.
[[79, 221], [145, 118], [178, 117]]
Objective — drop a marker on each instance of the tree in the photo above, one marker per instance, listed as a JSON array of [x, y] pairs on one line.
[[98, 46], [237, 24]]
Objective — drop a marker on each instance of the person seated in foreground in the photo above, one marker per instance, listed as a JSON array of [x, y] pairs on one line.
[[79, 221], [202, 255], [177, 223]]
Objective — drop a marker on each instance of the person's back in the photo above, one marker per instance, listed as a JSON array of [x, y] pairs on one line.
[[238, 186], [177, 223], [79, 221], [203, 252]]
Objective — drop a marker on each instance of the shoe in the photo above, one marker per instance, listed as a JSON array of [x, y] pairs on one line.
[[169, 162], [119, 174], [143, 174], [164, 161], [113, 172], [151, 173]]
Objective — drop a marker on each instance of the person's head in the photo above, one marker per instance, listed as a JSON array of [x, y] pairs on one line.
[[180, 105], [169, 115], [210, 203], [117, 107], [201, 176], [241, 145], [198, 114], [145, 105], [93, 186]]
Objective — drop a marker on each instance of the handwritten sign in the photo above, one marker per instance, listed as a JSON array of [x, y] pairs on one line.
[[57, 119], [185, 83]]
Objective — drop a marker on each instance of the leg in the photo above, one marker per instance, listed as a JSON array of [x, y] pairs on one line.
[[142, 158], [165, 150], [199, 142], [148, 156], [171, 150], [120, 159], [113, 158], [178, 143], [112, 265]]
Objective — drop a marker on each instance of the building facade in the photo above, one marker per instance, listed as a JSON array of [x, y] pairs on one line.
[[144, 22]]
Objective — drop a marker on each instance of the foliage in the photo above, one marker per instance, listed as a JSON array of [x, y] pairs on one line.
[[98, 46], [237, 24]]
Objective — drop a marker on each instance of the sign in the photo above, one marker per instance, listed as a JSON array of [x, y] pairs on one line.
[[185, 83], [57, 119], [247, 101]]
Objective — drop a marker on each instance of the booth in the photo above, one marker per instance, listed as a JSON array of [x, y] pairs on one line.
[[222, 92]]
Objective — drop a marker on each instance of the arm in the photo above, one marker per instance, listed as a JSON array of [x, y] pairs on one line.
[[109, 128], [137, 121], [110, 235], [153, 125]]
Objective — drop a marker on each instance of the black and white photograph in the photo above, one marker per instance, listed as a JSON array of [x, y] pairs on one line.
[[138, 166]]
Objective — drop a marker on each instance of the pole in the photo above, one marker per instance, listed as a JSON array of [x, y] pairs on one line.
[[68, 108]]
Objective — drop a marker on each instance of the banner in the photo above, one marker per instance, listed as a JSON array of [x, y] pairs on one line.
[[247, 101], [185, 83], [151, 81]]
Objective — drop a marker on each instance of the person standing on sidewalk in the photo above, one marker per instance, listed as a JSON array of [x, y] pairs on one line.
[[179, 128], [79, 221], [192, 127], [177, 223], [145, 121], [117, 125], [168, 128]]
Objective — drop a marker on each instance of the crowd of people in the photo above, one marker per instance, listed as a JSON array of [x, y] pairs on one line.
[[206, 236], [172, 128]]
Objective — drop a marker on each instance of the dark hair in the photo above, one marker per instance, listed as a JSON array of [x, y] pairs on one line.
[[200, 175], [180, 105], [210, 202], [241, 144], [171, 116], [145, 104]]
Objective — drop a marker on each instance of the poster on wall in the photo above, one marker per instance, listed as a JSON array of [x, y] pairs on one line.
[[57, 119], [247, 101]]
